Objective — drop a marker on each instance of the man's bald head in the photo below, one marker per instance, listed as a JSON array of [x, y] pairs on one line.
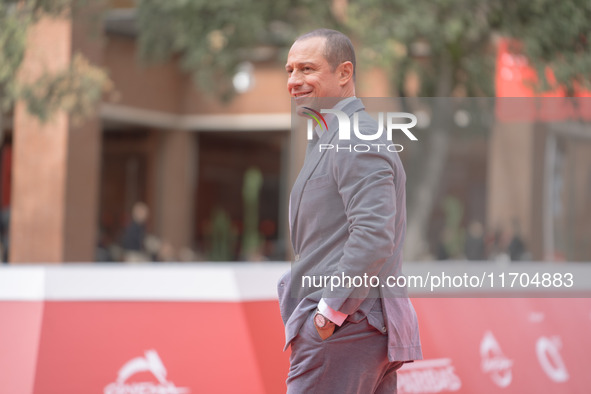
[[338, 48]]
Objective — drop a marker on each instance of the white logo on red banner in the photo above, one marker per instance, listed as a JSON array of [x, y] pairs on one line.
[[428, 376], [548, 351], [494, 363], [150, 363]]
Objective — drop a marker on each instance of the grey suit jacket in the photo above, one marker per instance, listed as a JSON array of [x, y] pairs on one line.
[[348, 219]]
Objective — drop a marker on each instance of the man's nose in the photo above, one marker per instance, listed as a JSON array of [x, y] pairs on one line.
[[294, 80]]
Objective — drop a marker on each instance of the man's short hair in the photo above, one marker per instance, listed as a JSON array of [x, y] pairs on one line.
[[338, 48]]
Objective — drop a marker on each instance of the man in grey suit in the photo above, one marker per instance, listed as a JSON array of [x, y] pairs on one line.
[[349, 329]]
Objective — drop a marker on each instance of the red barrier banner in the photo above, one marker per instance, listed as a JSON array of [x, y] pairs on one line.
[[508, 345], [160, 334]]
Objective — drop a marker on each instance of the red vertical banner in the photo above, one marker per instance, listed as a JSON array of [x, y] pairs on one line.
[[515, 81], [515, 77]]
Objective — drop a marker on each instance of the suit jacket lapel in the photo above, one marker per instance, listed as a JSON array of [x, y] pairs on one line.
[[313, 157]]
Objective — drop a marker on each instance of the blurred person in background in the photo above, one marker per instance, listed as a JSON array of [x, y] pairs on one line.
[[133, 241], [474, 247], [347, 217], [102, 252], [495, 242], [516, 248]]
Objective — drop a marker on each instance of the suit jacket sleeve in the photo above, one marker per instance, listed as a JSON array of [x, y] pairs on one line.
[[366, 184]]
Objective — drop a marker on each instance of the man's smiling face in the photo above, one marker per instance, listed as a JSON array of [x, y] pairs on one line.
[[310, 76]]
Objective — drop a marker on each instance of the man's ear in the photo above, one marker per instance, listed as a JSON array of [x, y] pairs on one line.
[[345, 71]]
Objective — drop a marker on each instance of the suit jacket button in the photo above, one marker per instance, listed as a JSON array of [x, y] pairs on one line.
[[384, 328], [297, 257]]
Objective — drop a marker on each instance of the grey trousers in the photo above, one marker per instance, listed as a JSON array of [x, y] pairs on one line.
[[353, 360]]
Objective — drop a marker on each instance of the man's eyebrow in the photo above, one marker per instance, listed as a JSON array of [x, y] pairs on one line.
[[301, 64]]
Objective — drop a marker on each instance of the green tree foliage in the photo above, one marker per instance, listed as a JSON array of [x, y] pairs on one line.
[[12, 48], [556, 34], [445, 42], [76, 89], [450, 43], [213, 37]]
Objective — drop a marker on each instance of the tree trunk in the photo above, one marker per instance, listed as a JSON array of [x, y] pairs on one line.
[[423, 194]]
